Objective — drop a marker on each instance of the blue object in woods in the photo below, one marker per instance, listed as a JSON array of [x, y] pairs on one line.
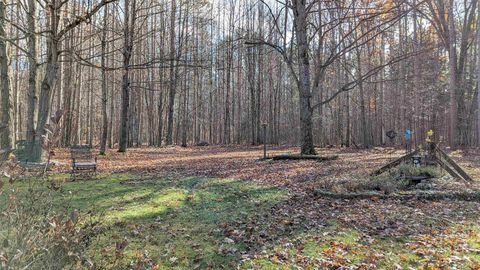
[[408, 134]]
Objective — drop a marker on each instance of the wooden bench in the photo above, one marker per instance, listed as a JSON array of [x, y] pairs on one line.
[[82, 160]]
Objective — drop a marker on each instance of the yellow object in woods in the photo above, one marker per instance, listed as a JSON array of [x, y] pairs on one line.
[[429, 135]]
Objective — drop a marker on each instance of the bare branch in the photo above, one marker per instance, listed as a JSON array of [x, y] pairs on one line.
[[84, 18], [352, 84]]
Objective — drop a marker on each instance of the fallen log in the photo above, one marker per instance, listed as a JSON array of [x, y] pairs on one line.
[[304, 157], [419, 195]]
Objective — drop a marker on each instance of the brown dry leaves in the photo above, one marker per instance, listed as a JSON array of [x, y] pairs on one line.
[[427, 223], [242, 163]]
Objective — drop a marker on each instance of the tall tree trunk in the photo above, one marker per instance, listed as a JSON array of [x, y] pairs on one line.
[[363, 113], [226, 128], [184, 111], [103, 139], [112, 111], [260, 78], [16, 115], [67, 102], [300, 25], [32, 69], [382, 92], [50, 78], [453, 79], [127, 55], [160, 119], [348, 132], [171, 94], [251, 86], [6, 88], [91, 115], [478, 78]]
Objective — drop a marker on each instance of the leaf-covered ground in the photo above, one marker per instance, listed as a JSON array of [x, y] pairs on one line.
[[220, 207], [242, 163]]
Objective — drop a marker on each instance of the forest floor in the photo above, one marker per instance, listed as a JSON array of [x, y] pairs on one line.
[[243, 163], [220, 207]]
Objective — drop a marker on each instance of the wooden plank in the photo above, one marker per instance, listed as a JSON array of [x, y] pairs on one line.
[[394, 163], [448, 169], [454, 165], [304, 157]]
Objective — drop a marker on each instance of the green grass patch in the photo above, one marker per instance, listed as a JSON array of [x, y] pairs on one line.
[[336, 246], [177, 222]]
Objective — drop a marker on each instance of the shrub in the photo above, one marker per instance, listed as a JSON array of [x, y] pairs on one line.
[[395, 180], [388, 182], [409, 170], [33, 233]]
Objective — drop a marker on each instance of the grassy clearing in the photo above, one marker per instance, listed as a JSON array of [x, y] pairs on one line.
[[175, 222], [180, 224]]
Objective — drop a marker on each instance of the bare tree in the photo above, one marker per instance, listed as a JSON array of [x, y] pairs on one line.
[[183, 72], [32, 69], [55, 33], [128, 33], [442, 15], [478, 78], [103, 140], [6, 134], [173, 74]]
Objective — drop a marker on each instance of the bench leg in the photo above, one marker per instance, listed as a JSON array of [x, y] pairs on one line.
[[87, 172], [72, 176]]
